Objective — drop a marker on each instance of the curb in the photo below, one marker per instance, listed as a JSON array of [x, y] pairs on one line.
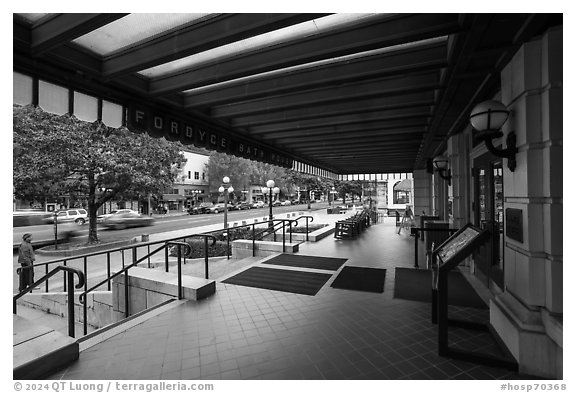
[[84, 250]]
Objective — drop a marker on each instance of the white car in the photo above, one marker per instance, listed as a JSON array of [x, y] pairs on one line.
[[78, 216], [285, 203], [257, 205], [102, 217]]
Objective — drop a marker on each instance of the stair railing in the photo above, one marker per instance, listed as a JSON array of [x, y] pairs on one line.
[[70, 272], [124, 270], [307, 218], [189, 250]]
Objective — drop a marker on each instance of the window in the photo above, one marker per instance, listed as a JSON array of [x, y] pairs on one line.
[[196, 175], [203, 176], [189, 175], [401, 197]]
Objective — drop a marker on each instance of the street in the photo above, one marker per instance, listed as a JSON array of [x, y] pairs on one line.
[[97, 266]]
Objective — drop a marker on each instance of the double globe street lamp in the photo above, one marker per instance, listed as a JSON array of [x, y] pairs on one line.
[[223, 190], [269, 189]]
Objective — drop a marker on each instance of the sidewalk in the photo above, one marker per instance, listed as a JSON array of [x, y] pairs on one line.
[[250, 333], [317, 211]]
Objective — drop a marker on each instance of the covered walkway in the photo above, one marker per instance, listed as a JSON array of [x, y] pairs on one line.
[[248, 333]]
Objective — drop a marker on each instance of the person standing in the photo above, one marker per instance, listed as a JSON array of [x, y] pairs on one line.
[[26, 259]]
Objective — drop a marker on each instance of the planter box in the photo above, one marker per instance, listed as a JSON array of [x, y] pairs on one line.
[[243, 248], [313, 236]]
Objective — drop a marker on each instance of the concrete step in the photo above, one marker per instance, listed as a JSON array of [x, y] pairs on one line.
[[102, 334], [39, 350]]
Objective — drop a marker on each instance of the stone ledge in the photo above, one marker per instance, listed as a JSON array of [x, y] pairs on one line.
[[314, 236], [163, 283], [243, 248]]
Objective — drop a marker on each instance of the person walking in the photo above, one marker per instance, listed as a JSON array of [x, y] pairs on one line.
[[26, 259]]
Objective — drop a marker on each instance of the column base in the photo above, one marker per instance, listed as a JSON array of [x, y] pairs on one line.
[[534, 337]]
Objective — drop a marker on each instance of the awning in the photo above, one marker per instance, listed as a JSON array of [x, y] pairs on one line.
[[404, 185], [173, 197]]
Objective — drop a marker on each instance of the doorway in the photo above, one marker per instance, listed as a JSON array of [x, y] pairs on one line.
[[489, 214]]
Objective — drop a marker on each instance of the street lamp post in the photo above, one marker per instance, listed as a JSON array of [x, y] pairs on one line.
[[222, 189], [333, 192], [269, 189]]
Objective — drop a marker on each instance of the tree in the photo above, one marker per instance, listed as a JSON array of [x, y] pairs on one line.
[[350, 187], [63, 155], [244, 172]]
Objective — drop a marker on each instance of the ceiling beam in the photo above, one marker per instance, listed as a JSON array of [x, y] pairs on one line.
[[358, 67], [398, 141], [62, 28], [377, 126], [374, 134], [197, 37], [411, 83], [407, 114], [375, 33], [418, 101]]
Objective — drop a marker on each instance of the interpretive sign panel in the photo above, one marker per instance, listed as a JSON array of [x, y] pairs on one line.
[[457, 243], [461, 244]]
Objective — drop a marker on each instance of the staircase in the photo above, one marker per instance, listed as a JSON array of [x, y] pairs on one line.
[[39, 350]]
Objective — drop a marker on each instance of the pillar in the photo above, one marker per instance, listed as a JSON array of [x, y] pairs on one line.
[[422, 194], [459, 192], [528, 315]]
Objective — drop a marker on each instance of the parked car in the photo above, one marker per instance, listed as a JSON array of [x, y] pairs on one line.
[[127, 220], [243, 206], [102, 217], [258, 204], [276, 203], [220, 207], [78, 216], [202, 208], [285, 203]]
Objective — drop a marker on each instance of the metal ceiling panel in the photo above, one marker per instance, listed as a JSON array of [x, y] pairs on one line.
[[380, 94]]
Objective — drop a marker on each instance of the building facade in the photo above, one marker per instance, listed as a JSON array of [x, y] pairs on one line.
[[522, 266]]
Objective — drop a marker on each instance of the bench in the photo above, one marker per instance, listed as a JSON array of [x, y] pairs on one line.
[[352, 226]]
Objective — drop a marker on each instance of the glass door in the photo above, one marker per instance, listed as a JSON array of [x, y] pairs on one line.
[[489, 214]]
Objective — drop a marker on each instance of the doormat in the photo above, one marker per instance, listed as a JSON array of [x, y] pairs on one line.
[[360, 279], [305, 283], [416, 284], [307, 261]]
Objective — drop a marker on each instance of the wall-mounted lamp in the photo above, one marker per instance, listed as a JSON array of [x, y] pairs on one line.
[[441, 166], [487, 118]]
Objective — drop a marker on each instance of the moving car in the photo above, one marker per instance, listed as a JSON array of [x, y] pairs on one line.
[[101, 217], [202, 208], [127, 220], [43, 235], [28, 217], [78, 216]]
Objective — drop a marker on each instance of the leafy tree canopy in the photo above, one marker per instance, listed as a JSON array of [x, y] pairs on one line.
[[60, 155]]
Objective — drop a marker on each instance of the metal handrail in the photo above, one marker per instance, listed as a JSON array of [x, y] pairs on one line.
[[272, 230], [70, 273], [205, 236], [311, 220], [179, 248], [135, 261]]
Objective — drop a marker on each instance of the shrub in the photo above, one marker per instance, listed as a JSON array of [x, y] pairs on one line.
[[301, 228]]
